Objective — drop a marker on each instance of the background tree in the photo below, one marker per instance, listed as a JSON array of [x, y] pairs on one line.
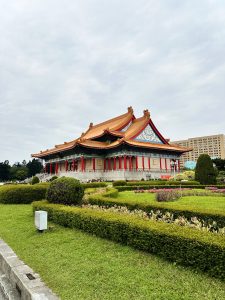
[[18, 172], [4, 170], [204, 171], [220, 164], [34, 167]]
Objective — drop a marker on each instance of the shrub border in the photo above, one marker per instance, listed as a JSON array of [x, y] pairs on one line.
[[147, 187], [182, 245]]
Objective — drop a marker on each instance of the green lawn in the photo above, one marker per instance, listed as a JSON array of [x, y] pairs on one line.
[[209, 204], [80, 266]]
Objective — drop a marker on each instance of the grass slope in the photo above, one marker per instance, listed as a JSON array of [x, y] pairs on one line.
[[80, 266]]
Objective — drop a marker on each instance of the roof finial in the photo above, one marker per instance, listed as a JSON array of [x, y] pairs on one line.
[[146, 113], [91, 125], [130, 109]]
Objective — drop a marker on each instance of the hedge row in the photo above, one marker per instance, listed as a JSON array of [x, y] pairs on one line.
[[147, 187], [186, 246], [110, 193], [22, 193], [94, 184], [153, 183], [202, 214]]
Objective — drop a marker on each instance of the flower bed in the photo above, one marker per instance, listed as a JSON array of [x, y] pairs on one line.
[[161, 216], [161, 190], [206, 215]]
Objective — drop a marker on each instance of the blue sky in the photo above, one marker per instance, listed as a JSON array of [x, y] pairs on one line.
[[65, 64]]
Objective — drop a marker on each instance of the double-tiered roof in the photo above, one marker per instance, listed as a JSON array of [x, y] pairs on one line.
[[138, 132]]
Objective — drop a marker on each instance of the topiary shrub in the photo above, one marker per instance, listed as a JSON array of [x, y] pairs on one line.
[[65, 190], [22, 193], [204, 171], [35, 180], [53, 178], [166, 196], [119, 183]]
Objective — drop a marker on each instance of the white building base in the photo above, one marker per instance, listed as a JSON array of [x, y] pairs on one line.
[[111, 175]]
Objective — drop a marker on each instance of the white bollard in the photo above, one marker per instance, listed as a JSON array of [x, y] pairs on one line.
[[41, 220]]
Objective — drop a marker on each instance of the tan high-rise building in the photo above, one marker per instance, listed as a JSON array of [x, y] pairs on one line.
[[213, 145]]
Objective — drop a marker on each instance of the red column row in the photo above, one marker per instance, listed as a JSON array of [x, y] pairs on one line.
[[111, 164]]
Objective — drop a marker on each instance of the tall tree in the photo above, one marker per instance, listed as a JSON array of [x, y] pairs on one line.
[[34, 167], [18, 172], [4, 171], [204, 171]]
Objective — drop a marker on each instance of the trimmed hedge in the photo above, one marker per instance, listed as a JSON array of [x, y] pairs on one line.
[[153, 183], [111, 193], [186, 246], [22, 193], [147, 187], [205, 215], [94, 184]]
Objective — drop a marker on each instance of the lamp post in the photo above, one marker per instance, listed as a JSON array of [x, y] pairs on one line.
[[173, 164]]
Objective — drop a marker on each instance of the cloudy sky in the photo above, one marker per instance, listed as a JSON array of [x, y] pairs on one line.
[[64, 64]]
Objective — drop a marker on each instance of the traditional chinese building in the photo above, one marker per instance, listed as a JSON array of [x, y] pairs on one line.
[[124, 147]]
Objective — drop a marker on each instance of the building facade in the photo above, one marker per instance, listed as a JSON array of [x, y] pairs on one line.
[[213, 145], [122, 148]]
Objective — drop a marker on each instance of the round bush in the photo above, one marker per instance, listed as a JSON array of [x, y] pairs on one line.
[[53, 178], [35, 180], [65, 190]]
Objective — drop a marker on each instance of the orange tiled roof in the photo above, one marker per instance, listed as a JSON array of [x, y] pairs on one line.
[[114, 124], [115, 127], [158, 146]]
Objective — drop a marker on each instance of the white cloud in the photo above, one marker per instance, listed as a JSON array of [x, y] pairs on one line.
[[65, 64]]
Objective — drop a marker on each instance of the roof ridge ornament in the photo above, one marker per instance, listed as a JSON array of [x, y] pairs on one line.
[[130, 109], [146, 113], [91, 125]]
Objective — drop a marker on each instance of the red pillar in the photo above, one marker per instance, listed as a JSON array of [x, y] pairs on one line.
[[136, 161], [125, 162], [66, 165], [120, 162], [160, 161], [84, 164], [130, 163], [109, 164], [178, 165], [45, 168], [50, 168], [114, 163], [165, 164], [93, 163], [149, 163], [81, 163], [56, 168], [143, 162], [104, 164]]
